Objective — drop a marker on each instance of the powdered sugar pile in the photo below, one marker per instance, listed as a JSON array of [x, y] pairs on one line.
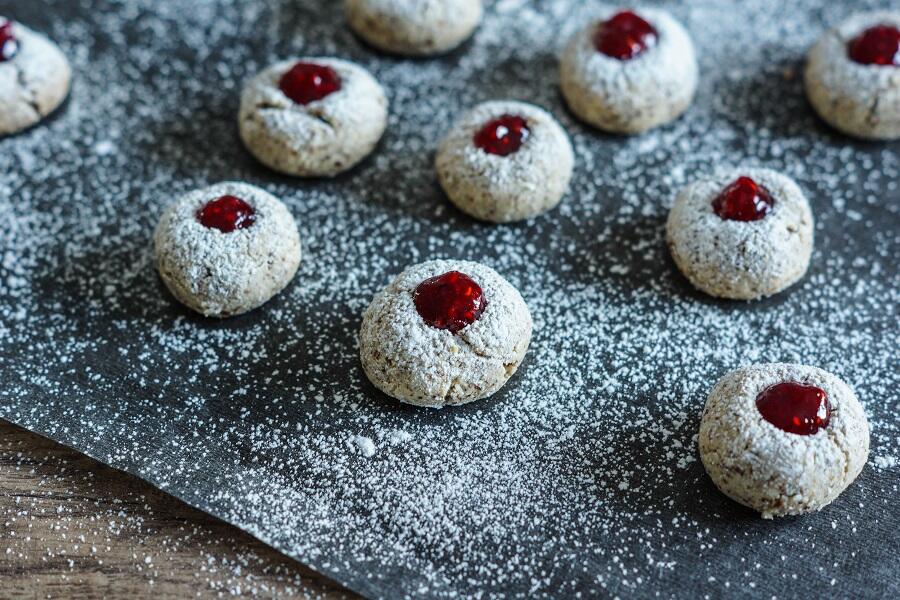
[[581, 473]]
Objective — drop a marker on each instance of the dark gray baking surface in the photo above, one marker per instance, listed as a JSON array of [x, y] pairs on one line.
[[252, 419]]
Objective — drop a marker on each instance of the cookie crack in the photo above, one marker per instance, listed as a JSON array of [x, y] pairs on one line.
[[313, 113], [28, 94], [320, 116]]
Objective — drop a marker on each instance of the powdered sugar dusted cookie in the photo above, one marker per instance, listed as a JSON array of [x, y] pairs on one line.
[[226, 249], [444, 332], [853, 76], [505, 161], [34, 77], [742, 233], [414, 27], [315, 117], [783, 439], [629, 71]]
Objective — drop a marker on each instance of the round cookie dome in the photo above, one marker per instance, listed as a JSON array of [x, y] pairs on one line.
[[226, 249], [505, 161], [414, 27], [741, 234], [34, 77], [313, 117], [628, 72], [783, 439], [444, 332], [852, 76]]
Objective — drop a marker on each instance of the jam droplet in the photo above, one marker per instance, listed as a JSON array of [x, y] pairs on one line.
[[879, 45], [9, 45], [226, 214], [503, 136], [308, 82], [449, 301], [795, 407], [743, 200], [624, 36]]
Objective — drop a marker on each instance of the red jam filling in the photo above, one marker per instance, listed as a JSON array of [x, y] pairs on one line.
[[9, 45], [502, 136], [450, 301], [308, 82], [879, 45], [795, 407], [226, 214], [743, 200], [624, 36]]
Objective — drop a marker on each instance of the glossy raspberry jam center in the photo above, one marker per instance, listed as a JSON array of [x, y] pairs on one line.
[[450, 301], [9, 45], [226, 214], [624, 36], [795, 407], [743, 200], [308, 82], [502, 136], [879, 45]]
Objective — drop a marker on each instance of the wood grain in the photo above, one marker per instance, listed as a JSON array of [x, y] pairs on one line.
[[71, 527]]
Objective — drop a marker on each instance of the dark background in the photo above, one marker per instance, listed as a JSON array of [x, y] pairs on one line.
[[581, 475]]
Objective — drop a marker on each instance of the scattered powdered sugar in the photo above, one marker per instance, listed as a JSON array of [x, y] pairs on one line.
[[885, 462], [581, 474], [365, 445]]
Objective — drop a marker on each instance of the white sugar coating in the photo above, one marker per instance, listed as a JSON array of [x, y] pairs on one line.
[[319, 139], [860, 100], [743, 260], [414, 27], [630, 96], [414, 362], [33, 83], [581, 473], [508, 188], [221, 274], [773, 471]]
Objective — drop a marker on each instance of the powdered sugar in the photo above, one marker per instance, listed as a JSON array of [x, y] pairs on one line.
[[582, 472]]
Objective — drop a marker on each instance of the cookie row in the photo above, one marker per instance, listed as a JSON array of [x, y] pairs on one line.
[[782, 439], [626, 72], [631, 70]]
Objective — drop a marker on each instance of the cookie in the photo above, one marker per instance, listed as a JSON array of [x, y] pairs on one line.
[[783, 439], [628, 72], [315, 117], [742, 233], [413, 27], [444, 332], [505, 161], [34, 77], [226, 249], [853, 76]]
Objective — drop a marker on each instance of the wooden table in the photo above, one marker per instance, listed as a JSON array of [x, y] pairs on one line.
[[71, 527]]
